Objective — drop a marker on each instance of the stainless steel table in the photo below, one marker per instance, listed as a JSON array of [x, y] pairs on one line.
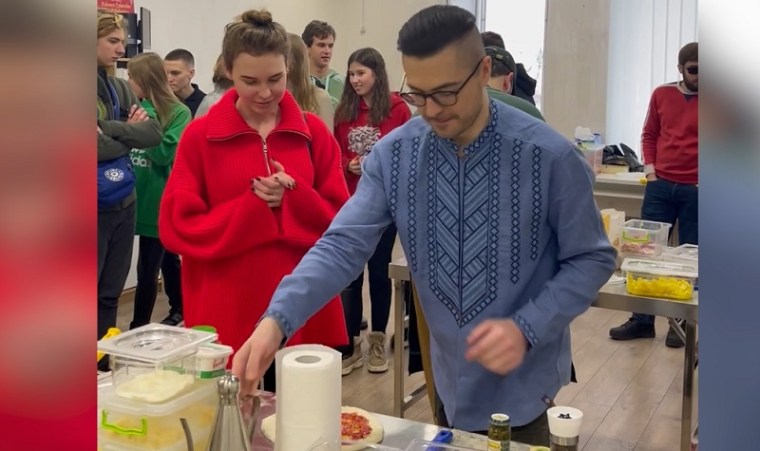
[[611, 296], [399, 433]]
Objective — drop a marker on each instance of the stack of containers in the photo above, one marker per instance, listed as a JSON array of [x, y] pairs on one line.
[[160, 374], [651, 268]]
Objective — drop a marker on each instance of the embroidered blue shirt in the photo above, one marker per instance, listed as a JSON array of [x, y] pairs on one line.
[[509, 231]]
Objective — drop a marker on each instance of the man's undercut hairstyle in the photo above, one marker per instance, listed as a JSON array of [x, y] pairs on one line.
[[492, 39], [181, 55], [434, 28]]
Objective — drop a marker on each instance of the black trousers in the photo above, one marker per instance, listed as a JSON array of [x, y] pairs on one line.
[[116, 234], [149, 259], [380, 290], [171, 269], [270, 379]]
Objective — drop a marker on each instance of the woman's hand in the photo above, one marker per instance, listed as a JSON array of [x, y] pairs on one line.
[[282, 177], [355, 166], [271, 189]]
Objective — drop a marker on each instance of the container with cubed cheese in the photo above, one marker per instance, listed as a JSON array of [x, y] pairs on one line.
[[660, 279], [131, 425]]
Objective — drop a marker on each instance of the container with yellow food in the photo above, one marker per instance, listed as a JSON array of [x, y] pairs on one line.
[[660, 279]]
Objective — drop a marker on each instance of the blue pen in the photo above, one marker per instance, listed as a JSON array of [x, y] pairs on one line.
[[445, 436]]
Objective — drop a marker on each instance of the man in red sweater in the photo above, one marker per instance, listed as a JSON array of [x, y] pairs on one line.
[[670, 146]]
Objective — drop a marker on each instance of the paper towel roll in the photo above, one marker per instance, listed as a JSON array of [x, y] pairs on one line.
[[308, 397]]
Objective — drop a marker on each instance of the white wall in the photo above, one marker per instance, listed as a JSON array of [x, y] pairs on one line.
[[202, 26], [575, 64], [523, 38], [645, 37], [603, 58]]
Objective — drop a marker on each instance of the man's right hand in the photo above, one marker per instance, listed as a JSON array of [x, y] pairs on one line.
[[256, 355]]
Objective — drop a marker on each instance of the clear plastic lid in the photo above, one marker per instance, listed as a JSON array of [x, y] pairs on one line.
[[155, 343], [686, 252], [646, 225], [213, 350], [659, 268]]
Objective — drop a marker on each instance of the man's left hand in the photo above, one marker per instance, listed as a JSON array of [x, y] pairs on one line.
[[498, 345]]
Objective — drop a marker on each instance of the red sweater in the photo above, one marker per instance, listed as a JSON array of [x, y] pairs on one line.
[[670, 140], [346, 131], [235, 249]]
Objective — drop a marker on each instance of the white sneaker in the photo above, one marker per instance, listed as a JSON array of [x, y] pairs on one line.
[[356, 360], [378, 361]]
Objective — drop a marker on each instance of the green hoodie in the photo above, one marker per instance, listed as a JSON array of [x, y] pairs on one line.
[[152, 168], [333, 83], [516, 102]]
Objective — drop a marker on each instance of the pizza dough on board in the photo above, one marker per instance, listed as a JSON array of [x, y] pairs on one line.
[[268, 426]]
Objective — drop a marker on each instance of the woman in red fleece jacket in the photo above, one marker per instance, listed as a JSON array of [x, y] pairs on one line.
[[255, 184], [366, 112]]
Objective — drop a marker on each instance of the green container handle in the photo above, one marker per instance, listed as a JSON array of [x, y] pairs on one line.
[[142, 432], [205, 328]]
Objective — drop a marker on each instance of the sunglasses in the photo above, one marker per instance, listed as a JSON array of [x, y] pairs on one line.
[[693, 70]]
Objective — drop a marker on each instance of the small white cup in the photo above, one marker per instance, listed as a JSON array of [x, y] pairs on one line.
[[563, 427]]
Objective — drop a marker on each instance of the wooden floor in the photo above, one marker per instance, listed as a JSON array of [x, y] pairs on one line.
[[629, 392]]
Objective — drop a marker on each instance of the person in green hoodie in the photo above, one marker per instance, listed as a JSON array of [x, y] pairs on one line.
[[319, 38], [122, 125], [502, 82], [152, 166]]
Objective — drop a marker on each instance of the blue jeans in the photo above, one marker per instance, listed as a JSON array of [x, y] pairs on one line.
[[666, 201]]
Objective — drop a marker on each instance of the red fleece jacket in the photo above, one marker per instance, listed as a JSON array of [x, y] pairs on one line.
[[235, 249], [670, 138], [343, 131]]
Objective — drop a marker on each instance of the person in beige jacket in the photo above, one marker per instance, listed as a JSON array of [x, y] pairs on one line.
[[308, 96]]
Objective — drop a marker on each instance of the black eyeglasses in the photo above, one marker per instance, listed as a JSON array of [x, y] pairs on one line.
[[693, 70], [442, 98]]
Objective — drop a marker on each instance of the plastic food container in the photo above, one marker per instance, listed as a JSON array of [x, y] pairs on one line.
[[684, 253], [660, 279], [211, 360], [153, 348], [594, 156], [641, 238], [126, 425]]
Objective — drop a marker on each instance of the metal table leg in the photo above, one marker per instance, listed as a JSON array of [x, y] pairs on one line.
[[398, 350], [690, 330], [401, 401]]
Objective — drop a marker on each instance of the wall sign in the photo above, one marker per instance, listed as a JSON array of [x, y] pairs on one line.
[[117, 6]]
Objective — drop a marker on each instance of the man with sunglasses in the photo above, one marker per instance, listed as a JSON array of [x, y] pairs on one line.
[[496, 215], [669, 143]]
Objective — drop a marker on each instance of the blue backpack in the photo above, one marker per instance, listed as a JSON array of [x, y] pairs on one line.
[[116, 178]]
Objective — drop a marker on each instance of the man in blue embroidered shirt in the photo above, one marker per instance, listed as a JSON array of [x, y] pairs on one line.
[[496, 215]]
